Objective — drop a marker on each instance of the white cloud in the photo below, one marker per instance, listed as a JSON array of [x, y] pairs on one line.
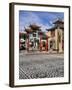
[[32, 18], [29, 19]]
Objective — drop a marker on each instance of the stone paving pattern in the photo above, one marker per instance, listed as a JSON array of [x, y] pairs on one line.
[[40, 66]]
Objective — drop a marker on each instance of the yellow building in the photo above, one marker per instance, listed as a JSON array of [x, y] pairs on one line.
[[56, 36]]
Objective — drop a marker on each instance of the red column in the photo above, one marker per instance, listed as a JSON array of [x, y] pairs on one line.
[[40, 43], [47, 44]]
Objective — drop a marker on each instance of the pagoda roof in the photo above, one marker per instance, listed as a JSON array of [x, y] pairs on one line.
[[58, 22], [28, 30], [52, 28], [34, 27]]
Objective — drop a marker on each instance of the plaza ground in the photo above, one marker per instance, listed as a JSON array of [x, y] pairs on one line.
[[40, 65]]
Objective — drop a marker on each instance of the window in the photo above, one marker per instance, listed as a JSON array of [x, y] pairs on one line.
[[52, 44], [53, 33], [34, 34], [59, 37]]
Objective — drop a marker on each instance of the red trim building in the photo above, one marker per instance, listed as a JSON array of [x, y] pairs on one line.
[[35, 39]]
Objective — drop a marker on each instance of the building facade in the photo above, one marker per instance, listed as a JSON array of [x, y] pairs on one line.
[[36, 39], [56, 36]]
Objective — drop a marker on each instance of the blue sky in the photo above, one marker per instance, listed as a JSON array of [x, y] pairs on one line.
[[43, 19]]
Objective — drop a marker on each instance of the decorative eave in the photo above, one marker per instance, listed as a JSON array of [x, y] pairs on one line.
[[28, 30], [51, 29], [58, 22], [34, 27]]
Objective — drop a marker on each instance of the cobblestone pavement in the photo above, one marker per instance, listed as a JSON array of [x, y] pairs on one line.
[[41, 66]]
